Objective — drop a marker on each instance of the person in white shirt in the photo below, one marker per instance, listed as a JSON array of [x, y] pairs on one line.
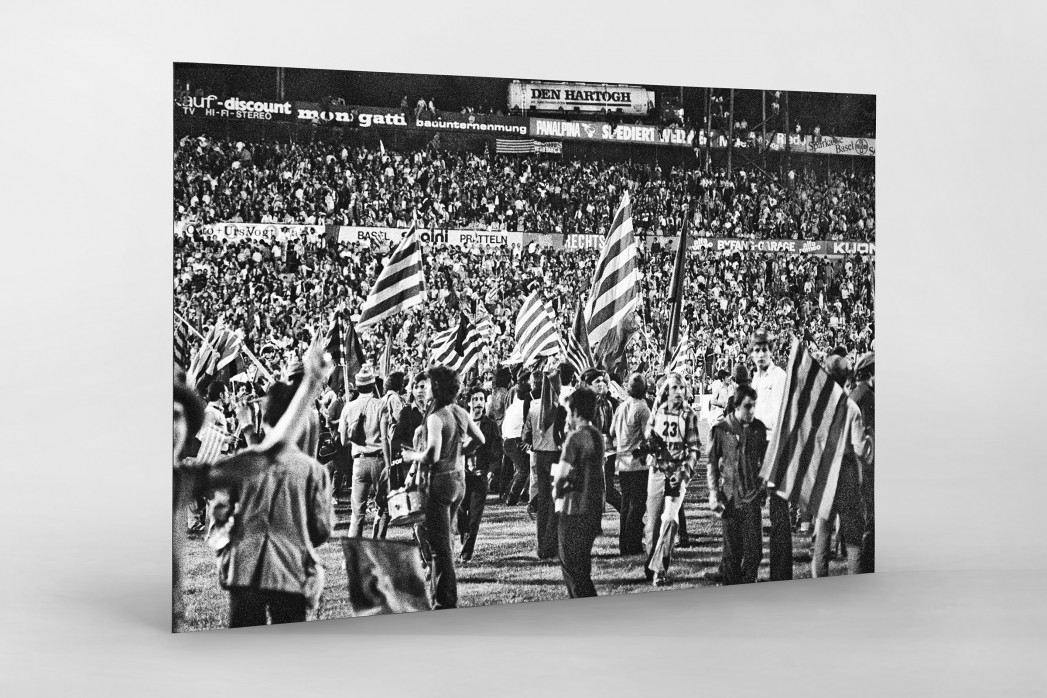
[[721, 391], [512, 430], [769, 382]]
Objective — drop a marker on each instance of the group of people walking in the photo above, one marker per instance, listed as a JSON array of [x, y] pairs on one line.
[[564, 447]]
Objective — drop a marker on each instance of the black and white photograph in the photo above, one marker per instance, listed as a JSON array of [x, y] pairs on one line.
[[567, 317], [446, 341]]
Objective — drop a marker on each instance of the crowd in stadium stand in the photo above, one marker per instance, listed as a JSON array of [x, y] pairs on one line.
[[278, 294], [317, 183]]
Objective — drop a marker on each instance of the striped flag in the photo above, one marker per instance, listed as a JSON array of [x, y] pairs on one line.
[[806, 452], [399, 286], [336, 340], [577, 351], [458, 347], [676, 291], [220, 349], [614, 291], [212, 442], [230, 362], [612, 353], [344, 347], [536, 333], [680, 357], [524, 146], [181, 345], [487, 328]]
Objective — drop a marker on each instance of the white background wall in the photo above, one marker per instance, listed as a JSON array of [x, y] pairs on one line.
[[86, 336]]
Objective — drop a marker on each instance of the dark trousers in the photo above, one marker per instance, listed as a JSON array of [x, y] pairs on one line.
[[542, 465], [634, 506], [472, 510], [342, 470], [742, 542], [781, 538], [522, 470], [446, 491], [613, 496], [577, 533], [248, 606]]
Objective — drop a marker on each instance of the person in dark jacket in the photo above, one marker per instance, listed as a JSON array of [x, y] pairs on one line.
[[411, 417], [479, 459], [596, 380], [736, 450]]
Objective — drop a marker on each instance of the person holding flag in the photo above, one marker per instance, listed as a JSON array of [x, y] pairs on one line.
[[847, 503], [627, 432], [542, 434], [674, 445], [769, 382]]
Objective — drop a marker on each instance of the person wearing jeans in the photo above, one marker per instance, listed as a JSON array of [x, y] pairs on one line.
[[478, 461], [441, 478], [736, 451], [445, 494], [627, 429], [370, 477]]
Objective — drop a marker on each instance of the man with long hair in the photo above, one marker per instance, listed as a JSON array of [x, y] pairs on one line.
[[672, 433], [441, 478], [411, 417], [627, 432]]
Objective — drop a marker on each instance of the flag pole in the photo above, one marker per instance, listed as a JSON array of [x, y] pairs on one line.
[[345, 370]]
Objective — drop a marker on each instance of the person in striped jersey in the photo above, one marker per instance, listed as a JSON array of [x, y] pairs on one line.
[[672, 433]]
